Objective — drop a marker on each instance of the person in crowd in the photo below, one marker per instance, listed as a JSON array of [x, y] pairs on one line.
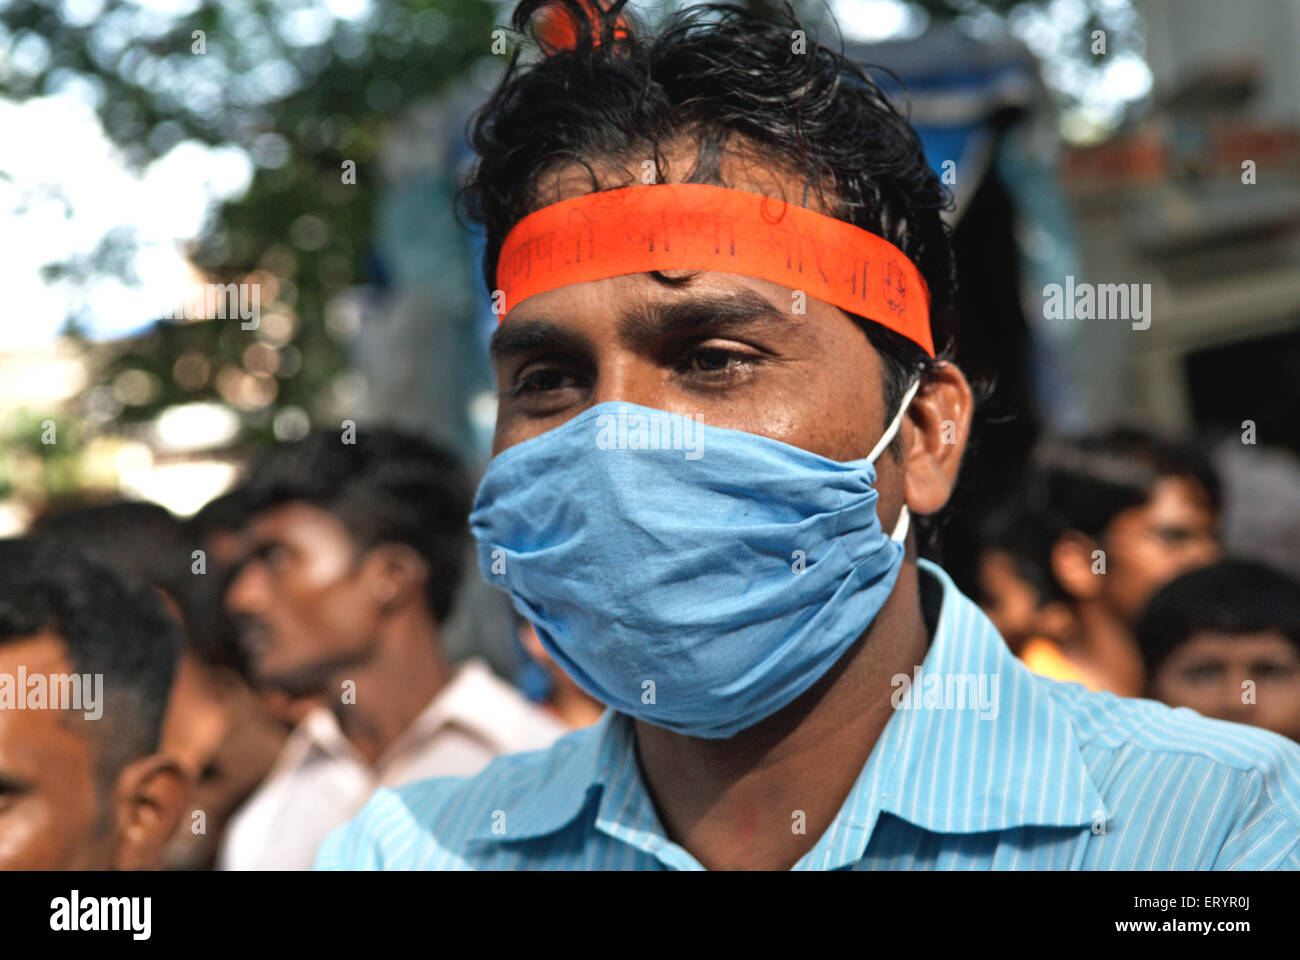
[[220, 528], [86, 666], [562, 698], [355, 551], [146, 542], [224, 737], [1224, 640], [723, 364], [1018, 594], [259, 719], [1124, 512]]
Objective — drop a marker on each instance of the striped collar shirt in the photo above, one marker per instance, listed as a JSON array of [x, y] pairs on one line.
[[983, 765]]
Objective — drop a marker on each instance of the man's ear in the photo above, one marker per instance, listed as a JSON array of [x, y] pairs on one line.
[[1072, 562], [149, 798], [395, 573], [935, 435]]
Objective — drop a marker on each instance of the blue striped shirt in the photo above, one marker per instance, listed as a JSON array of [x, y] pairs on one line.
[[1036, 775]]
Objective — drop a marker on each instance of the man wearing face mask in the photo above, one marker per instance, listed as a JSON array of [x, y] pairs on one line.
[[723, 388]]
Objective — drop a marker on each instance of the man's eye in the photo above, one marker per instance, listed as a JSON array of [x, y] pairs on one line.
[[714, 360], [1203, 673], [1272, 671], [541, 380], [541, 375], [276, 556]]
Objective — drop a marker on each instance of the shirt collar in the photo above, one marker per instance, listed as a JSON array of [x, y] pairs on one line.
[[579, 763], [942, 768], [469, 701], [954, 769], [466, 701]]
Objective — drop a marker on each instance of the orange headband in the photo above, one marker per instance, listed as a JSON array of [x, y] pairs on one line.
[[695, 226]]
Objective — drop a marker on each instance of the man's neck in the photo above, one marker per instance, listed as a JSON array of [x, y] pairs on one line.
[[1104, 644], [736, 804], [393, 687]]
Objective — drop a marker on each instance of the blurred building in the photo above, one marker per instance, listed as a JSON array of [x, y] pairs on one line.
[[1201, 199]]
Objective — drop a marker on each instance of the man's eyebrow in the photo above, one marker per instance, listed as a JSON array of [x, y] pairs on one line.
[[700, 314], [640, 323], [533, 336]]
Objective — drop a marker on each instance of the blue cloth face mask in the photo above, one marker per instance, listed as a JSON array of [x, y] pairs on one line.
[[694, 577]]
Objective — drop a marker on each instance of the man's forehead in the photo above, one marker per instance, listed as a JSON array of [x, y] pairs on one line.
[[42, 652], [283, 520], [1244, 645], [28, 738], [1174, 501], [34, 740]]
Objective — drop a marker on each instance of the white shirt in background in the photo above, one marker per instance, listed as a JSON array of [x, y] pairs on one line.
[[320, 780]]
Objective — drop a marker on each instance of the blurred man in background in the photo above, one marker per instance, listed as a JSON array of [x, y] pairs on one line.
[[563, 699], [1124, 512], [1225, 641], [259, 719], [1016, 590], [83, 785], [355, 554], [145, 542], [219, 730], [220, 529]]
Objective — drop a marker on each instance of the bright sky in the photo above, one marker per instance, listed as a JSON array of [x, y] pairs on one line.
[[64, 187]]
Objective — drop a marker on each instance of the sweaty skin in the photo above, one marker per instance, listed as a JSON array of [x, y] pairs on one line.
[[730, 349]]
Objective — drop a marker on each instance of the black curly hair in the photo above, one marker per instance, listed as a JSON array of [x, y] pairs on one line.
[[726, 80]]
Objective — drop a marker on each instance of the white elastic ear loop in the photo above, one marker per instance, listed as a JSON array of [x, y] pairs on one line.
[[904, 517], [900, 528], [897, 422]]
